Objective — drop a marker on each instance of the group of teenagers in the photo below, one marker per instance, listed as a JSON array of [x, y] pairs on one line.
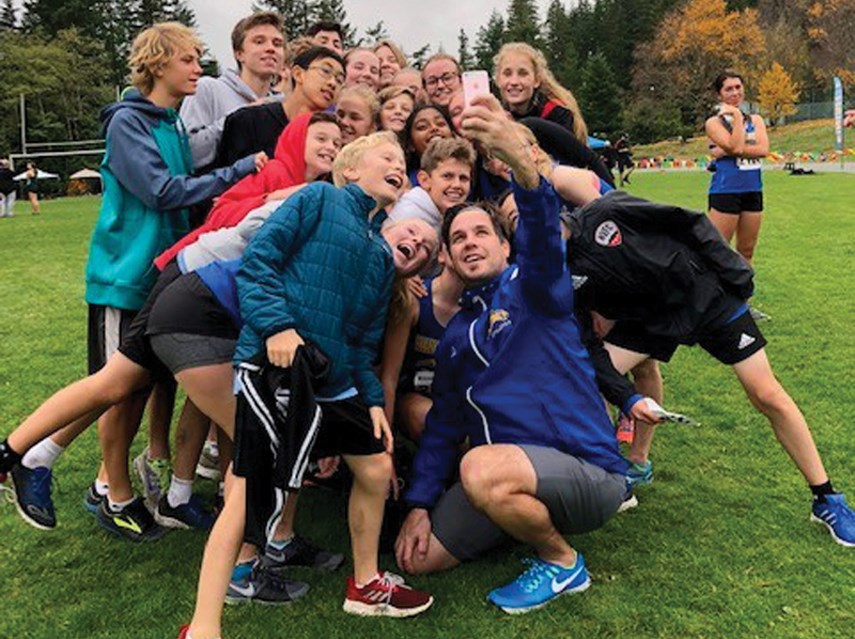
[[331, 253]]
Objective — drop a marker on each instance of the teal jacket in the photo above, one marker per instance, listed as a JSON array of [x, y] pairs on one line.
[[148, 184], [318, 266]]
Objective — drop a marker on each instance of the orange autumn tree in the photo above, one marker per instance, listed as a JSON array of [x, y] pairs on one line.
[[693, 44], [831, 33], [777, 93]]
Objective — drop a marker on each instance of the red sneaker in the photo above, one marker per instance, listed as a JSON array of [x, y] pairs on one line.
[[385, 596]]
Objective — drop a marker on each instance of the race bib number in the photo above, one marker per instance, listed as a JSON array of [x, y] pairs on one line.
[[748, 164], [423, 381]]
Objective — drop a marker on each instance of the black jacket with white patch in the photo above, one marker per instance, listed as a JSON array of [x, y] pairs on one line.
[[661, 265]]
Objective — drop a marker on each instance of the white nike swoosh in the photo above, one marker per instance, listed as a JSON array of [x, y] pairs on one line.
[[247, 591], [558, 586]]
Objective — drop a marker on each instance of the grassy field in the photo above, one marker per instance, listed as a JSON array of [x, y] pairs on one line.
[[811, 136], [720, 545]]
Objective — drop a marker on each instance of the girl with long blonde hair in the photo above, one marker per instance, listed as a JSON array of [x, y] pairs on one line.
[[528, 89]]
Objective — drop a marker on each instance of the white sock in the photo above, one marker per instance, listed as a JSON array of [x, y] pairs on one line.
[[180, 491], [102, 488], [116, 506], [44, 454], [279, 544]]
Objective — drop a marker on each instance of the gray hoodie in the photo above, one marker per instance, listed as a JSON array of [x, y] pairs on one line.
[[205, 112], [417, 203]]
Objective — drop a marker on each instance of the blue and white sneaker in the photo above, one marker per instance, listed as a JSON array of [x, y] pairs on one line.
[[540, 584], [838, 517], [92, 500], [265, 587], [640, 474], [32, 496]]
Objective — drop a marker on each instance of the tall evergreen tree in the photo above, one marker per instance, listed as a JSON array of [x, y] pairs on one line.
[[557, 45], [464, 55], [51, 16], [522, 24], [180, 11], [599, 96], [116, 31], [375, 33], [298, 15], [582, 30], [147, 12], [489, 40], [8, 15]]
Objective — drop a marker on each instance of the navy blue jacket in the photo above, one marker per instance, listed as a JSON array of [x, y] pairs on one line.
[[511, 368]]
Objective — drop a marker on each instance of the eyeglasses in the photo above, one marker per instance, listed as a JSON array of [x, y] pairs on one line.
[[327, 73], [446, 78]]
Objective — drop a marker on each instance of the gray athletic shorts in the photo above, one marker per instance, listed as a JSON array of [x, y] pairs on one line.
[[580, 497], [179, 351]]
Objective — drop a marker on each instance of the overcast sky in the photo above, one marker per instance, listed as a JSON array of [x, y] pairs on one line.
[[410, 23]]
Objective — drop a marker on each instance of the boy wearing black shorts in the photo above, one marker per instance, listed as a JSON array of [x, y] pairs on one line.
[[327, 237]]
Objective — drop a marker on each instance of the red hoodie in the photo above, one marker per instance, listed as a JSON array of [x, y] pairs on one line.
[[287, 168]]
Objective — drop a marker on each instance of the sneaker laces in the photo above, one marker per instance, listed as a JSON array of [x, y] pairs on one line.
[[389, 583], [539, 571], [41, 484]]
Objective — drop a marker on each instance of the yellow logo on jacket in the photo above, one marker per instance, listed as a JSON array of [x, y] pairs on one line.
[[498, 321]]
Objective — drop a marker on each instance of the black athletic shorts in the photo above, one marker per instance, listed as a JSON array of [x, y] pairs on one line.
[[187, 305], [107, 328], [134, 344], [729, 340], [345, 428], [736, 203]]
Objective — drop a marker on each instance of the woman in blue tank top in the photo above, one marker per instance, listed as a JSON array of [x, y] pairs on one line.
[[738, 142]]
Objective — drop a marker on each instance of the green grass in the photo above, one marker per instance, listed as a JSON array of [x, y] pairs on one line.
[[720, 546], [812, 136]]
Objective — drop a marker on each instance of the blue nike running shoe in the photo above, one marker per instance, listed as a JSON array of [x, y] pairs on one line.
[[640, 474], [540, 584]]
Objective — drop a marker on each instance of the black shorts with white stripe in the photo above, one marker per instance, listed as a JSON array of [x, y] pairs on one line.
[[263, 403], [107, 327]]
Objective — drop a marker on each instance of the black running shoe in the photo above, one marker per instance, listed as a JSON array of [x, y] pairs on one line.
[[32, 496], [133, 522], [265, 587], [300, 552]]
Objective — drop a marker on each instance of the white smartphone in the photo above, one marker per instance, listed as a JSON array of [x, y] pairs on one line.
[[475, 83], [668, 416]]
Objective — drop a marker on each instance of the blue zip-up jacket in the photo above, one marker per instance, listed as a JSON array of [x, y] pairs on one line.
[[511, 368], [318, 266], [147, 185]]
